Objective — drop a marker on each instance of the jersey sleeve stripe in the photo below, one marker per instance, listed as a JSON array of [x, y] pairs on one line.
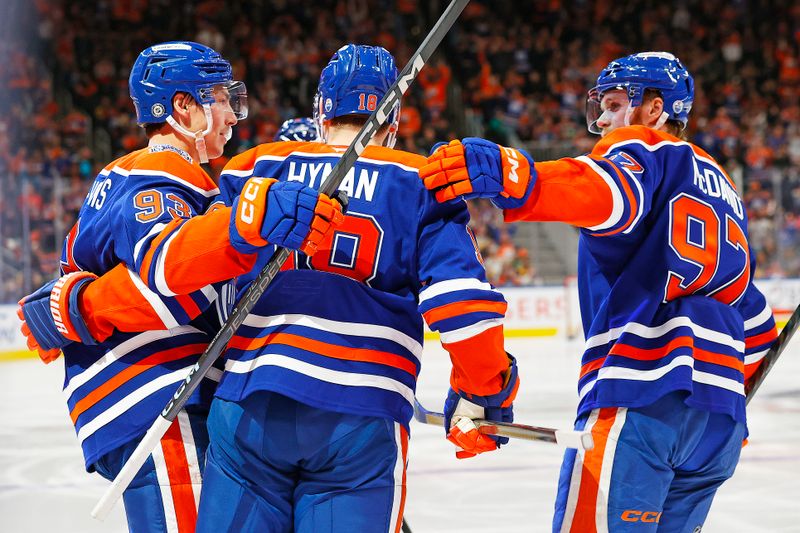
[[452, 285], [159, 276], [153, 248], [153, 231], [761, 339], [327, 349], [458, 335], [758, 320], [618, 208], [155, 302], [753, 358], [632, 205], [455, 309]]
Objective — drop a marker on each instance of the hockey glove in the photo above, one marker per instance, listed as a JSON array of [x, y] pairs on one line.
[[461, 408], [51, 318], [477, 168], [287, 214]]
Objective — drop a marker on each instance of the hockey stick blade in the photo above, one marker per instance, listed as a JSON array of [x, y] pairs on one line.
[[268, 273], [774, 353], [564, 437]]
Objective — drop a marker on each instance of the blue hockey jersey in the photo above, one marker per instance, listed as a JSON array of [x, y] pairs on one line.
[[342, 330], [667, 299], [133, 215]]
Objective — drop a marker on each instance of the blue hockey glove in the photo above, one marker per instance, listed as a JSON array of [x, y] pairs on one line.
[[477, 168], [51, 318], [461, 408], [287, 214]]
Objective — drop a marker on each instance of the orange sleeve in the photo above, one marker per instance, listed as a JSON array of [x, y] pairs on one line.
[[479, 362], [199, 253], [113, 301], [566, 190]]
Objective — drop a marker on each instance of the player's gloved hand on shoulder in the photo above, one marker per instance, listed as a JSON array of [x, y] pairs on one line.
[[461, 409], [51, 317], [287, 214], [477, 168]]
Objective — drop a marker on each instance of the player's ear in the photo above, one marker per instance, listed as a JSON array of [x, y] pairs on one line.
[[655, 109], [181, 105]]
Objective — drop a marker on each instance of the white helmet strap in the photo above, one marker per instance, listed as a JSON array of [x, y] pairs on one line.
[[199, 136], [661, 120]]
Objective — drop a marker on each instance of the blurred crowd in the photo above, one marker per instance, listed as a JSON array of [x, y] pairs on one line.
[[514, 72]]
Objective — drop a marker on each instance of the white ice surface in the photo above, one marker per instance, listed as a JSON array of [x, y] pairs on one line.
[[44, 488]]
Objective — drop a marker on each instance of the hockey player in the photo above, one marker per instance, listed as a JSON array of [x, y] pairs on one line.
[[141, 212], [297, 129], [309, 428], [673, 323], [323, 372]]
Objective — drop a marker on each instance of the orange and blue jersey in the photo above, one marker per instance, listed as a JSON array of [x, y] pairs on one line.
[[343, 330], [136, 214], [665, 272]]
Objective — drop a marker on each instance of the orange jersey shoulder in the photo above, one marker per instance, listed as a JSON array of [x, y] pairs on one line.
[[247, 160]]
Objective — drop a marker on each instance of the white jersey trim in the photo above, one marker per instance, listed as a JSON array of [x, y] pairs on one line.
[[453, 285], [336, 377], [618, 372], [163, 312], [616, 195], [155, 229], [653, 332], [755, 357], [758, 320], [461, 334], [358, 329], [121, 350], [160, 276], [130, 400]]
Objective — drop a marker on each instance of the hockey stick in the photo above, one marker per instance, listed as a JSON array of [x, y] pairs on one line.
[[774, 352], [565, 437], [265, 277]]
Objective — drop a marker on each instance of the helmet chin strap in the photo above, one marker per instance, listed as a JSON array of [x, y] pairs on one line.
[[660, 122], [199, 136]]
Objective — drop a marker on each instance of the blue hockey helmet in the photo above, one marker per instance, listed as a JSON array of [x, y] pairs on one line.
[[634, 74], [165, 69], [297, 129], [353, 82]]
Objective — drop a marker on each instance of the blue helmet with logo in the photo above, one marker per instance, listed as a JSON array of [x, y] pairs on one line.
[[353, 83], [165, 69], [634, 74], [297, 129]]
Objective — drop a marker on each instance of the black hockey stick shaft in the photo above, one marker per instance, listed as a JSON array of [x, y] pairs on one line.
[[273, 266], [773, 354]]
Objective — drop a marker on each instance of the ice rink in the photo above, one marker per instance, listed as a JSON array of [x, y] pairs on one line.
[[43, 487]]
